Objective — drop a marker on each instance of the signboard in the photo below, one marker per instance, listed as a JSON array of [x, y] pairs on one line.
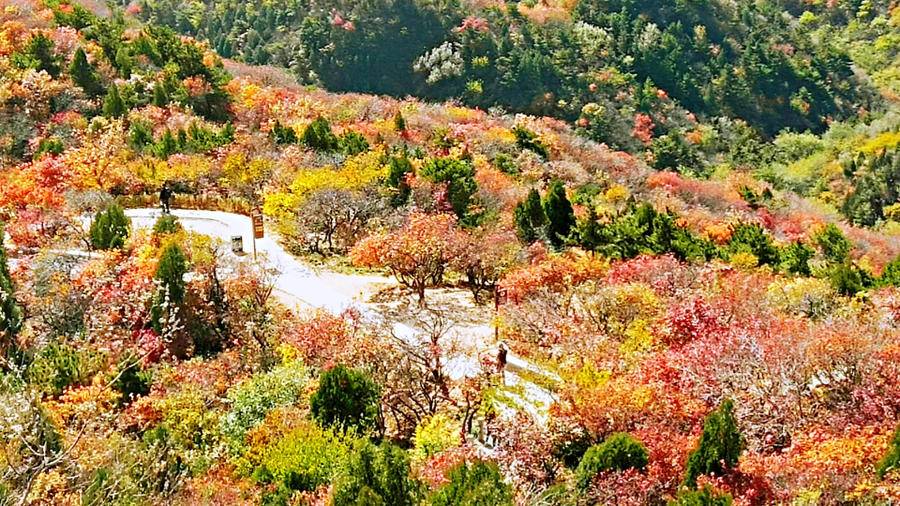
[[258, 230]]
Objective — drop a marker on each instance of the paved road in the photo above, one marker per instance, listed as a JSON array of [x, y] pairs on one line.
[[298, 284]]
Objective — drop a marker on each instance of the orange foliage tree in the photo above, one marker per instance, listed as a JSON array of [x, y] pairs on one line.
[[417, 254]]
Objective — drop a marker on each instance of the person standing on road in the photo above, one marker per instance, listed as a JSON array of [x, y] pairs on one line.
[[501, 362], [165, 196]]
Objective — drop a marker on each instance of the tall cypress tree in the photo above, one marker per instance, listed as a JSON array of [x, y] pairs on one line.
[[560, 215], [10, 312], [109, 230], [530, 218], [170, 273], [720, 445], [40, 53], [84, 75], [113, 105]]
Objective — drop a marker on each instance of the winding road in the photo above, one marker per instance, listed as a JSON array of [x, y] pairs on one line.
[[298, 285]]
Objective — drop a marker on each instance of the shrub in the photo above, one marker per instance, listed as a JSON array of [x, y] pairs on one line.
[[834, 245], [473, 484], [170, 273], [891, 274], [319, 137], [166, 224], [847, 279], [346, 398], [130, 381], [618, 452], [113, 105], [353, 143], [560, 215], [891, 459], [459, 176], [811, 297], [252, 399], [399, 167], [526, 139], [752, 238], [795, 258], [109, 230], [703, 497], [304, 459], [84, 75], [719, 447], [375, 475], [435, 435], [530, 218], [58, 366], [283, 135]]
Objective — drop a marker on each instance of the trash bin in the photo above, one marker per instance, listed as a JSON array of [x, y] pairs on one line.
[[237, 244]]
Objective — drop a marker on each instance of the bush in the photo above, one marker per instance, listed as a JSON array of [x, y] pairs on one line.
[[130, 381], [109, 230], [560, 215], [530, 218], [283, 135], [848, 279], [59, 366], [526, 139], [703, 497], [252, 399], [170, 273], [834, 245], [891, 459], [720, 445], [166, 224], [752, 238], [113, 105], [353, 143], [346, 398], [318, 136], [375, 475], [436, 435], [304, 459], [618, 452], [459, 176], [476, 484], [891, 274], [795, 258]]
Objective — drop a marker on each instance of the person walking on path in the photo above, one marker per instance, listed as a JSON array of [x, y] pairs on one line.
[[165, 197]]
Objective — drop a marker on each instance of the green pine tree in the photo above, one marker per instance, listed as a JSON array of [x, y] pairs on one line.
[[720, 445], [84, 75], [891, 460], [10, 312], [560, 215], [170, 273], [474, 484], [113, 105], [375, 475], [38, 54], [399, 122], [167, 145], [459, 176], [160, 95], [346, 398], [318, 136], [109, 230], [530, 218]]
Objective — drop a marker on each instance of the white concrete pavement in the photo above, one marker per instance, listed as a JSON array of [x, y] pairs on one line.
[[296, 284]]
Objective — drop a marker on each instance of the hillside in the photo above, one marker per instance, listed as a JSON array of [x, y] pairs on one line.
[[708, 291]]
